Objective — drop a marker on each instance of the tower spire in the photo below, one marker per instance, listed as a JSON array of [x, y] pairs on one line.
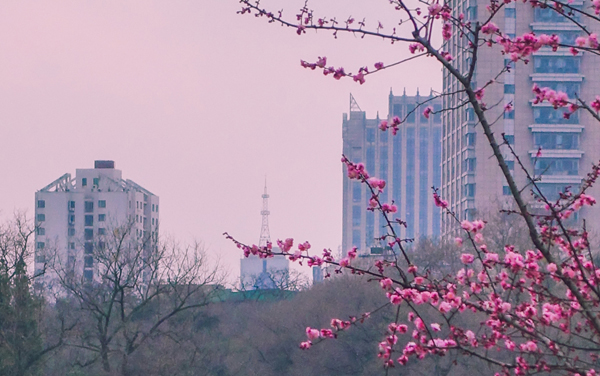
[[265, 236]]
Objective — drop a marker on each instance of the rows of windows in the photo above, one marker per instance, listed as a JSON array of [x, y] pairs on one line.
[[551, 140], [557, 166], [556, 64], [550, 15], [571, 88], [549, 115]]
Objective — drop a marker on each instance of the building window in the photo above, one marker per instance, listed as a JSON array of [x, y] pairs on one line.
[[71, 245], [510, 165], [96, 182], [40, 245], [89, 220], [356, 238], [509, 89], [71, 205], [41, 204], [470, 164], [71, 219], [557, 166], [556, 64], [88, 261], [470, 139], [41, 231], [88, 248], [553, 140], [156, 207], [101, 245], [101, 217], [470, 190], [84, 182], [410, 110], [101, 231], [153, 221], [506, 190], [510, 138], [509, 114], [88, 234], [356, 192], [89, 206], [71, 231], [356, 215], [102, 203], [41, 217], [548, 115], [510, 13], [550, 15], [88, 275], [40, 259]]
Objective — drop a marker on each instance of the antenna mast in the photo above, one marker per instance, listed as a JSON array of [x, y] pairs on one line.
[[265, 236]]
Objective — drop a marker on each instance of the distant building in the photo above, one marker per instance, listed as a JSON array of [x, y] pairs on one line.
[[472, 182], [270, 273], [73, 216], [409, 162]]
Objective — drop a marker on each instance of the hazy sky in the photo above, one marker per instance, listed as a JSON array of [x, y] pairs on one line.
[[195, 103]]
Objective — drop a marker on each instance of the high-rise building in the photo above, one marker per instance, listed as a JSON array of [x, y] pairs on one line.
[[74, 215], [264, 273], [471, 179], [409, 162]]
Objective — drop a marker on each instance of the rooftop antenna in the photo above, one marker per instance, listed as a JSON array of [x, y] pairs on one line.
[[354, 107], [265, 236]]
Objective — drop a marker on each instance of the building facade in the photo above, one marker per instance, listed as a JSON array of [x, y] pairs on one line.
[[471, 179], [409, 162], [75, 216]]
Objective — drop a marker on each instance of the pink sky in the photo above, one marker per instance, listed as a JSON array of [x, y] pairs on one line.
[[196, 104]]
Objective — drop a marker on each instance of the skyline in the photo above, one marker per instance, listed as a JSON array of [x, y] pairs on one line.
[[193, 101]]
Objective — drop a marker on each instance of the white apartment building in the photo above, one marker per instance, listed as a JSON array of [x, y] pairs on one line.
[[76, 215]]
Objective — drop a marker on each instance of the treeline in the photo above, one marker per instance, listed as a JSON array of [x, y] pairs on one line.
[[180, 321]]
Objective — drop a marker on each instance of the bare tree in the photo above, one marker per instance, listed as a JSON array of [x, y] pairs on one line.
[[138, 285], [22, 344]]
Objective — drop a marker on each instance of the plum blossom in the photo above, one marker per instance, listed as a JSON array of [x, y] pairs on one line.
[[489, 28], [466, 258], [312, 333]]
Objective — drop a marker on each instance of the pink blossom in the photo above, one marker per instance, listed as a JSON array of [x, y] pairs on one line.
[[427, 112], [321, 62], [360, 78], [489, 28], [352, 253], [386, 283], [551, 268], [379, 65], [466, 258], [479, 94], [445, 307], [596, 103], [439, 202], [458, 241], [383, 125], [529, 346], [414, 47], [305, 345], [312, 333], [435, 327]]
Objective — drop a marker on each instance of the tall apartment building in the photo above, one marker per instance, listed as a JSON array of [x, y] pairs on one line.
[[75, 215], [471, 179], [409, 162]]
